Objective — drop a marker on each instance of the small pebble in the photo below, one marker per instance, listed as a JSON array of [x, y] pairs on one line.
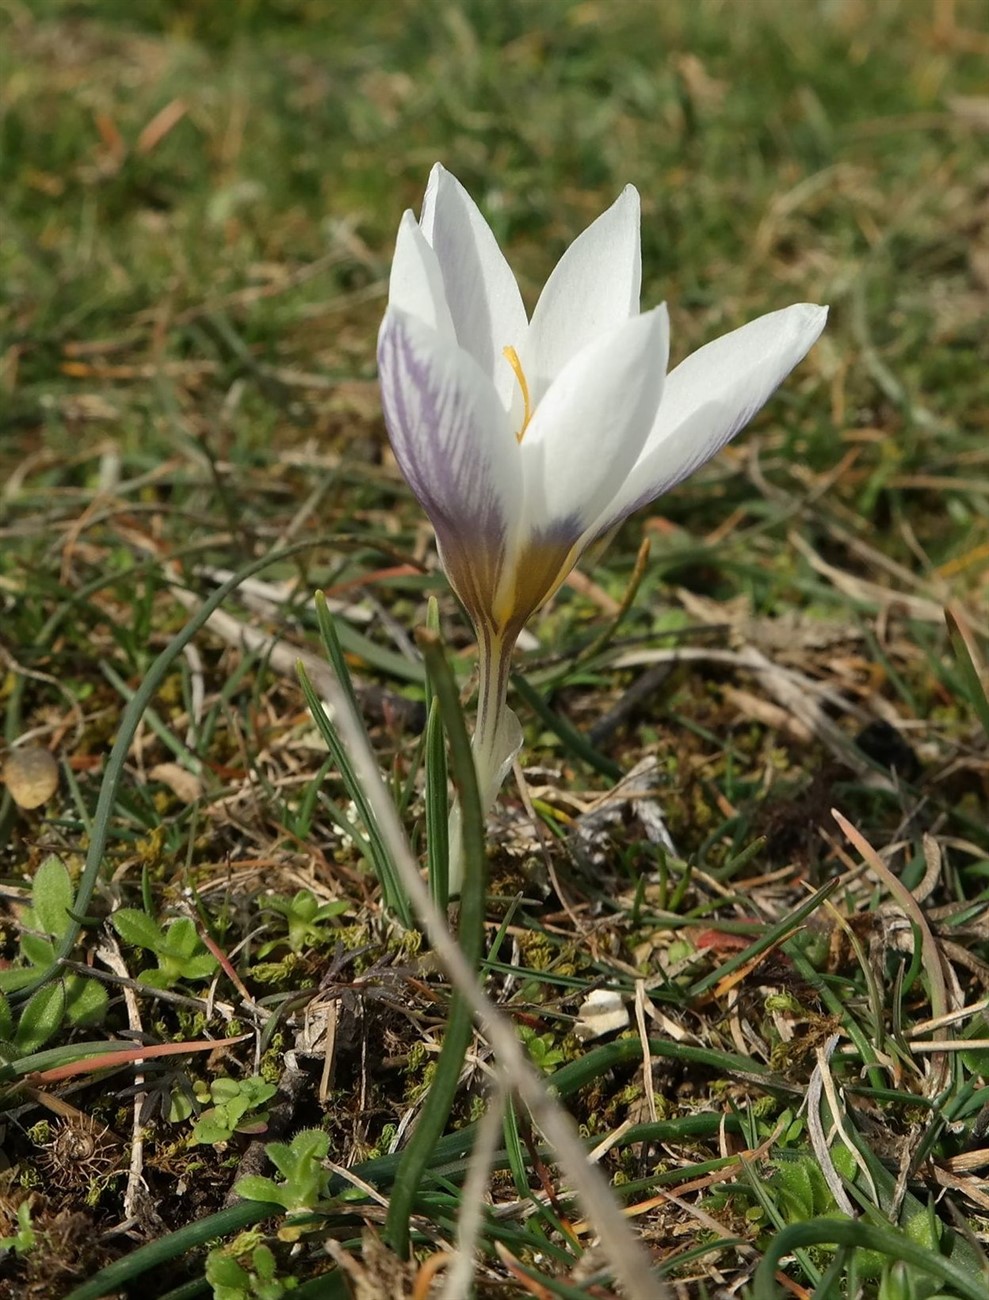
[[31, 775]]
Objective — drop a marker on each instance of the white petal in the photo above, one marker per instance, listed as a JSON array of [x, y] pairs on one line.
[[416, 282], [710, 397], [481, 292], [589, 429], [593, 288], [453, 441]]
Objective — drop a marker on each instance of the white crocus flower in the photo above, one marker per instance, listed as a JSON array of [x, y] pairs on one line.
[[526, 441]]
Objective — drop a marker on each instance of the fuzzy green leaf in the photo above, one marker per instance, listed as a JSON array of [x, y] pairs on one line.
[[180, 939], [256, 1188], [138, 929], [86, 1000], [52, 897], [18, 977], [38, 951], [41, 1018], [211, 1128]]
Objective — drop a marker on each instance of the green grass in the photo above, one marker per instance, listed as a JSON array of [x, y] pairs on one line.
[[197, 209]]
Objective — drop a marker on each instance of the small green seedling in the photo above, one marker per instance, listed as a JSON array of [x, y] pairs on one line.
[[540, 1047], [305, 917], [230, 1280], [25, 1238], [72, 998], [236, 1108], [300, 1164], [180, 952]]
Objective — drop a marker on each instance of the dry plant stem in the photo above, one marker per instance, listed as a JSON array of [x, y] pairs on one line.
[[628, 1259], [461, 1272], [938, 990], [793, 691], [815, 1127], [111, 955]]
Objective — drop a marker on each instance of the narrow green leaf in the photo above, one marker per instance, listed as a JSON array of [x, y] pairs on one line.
[[473, 900], [854, 1233], [765, 942], [437, 809], [377, 850], [975, 688], [572, 739], [388, 662], [334, 652]]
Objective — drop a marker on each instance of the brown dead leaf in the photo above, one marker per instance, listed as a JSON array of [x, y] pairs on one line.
[[378, 1274]]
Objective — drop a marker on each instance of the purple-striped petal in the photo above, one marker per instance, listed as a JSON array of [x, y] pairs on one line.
[[454, 444]]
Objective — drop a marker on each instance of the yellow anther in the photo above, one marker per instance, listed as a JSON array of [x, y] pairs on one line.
[[512, 357]]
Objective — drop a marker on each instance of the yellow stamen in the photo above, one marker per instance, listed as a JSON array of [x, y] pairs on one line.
[[512, 357]]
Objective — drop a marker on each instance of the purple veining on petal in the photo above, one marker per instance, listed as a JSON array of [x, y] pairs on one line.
[[418, 412], [430, 422], [562, 532]]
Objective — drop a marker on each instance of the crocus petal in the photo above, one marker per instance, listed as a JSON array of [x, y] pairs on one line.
[[589, 429], [484, 300], [454, 444], [710, 397], [594, 287], [416, 282]]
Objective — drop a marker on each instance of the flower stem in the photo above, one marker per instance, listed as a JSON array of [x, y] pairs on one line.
[[494, 656], [496, 742]]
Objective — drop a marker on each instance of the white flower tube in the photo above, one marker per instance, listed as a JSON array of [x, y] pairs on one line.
[[525, 441]]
